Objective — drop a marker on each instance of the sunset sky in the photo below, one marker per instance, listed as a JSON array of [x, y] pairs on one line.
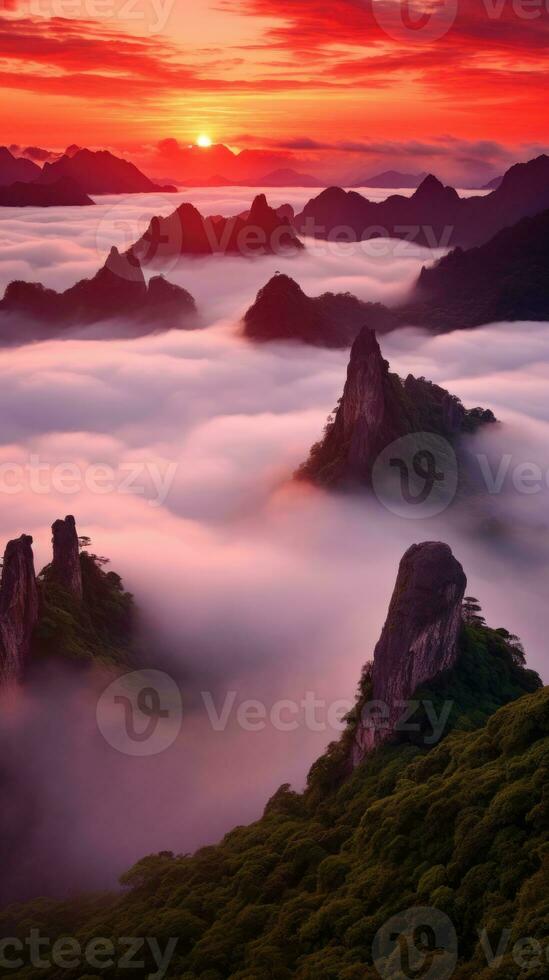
[[356, 79]]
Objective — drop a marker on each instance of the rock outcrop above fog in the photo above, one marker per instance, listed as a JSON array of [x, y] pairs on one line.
[[19, 608], [64, 192], [419, 639], [434, 216], [282, 311], [261, 231], [118, 290], [65, 567], [74, 610], [376, 409]]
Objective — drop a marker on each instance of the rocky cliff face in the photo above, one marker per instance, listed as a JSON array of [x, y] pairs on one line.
[[19, 608], [66, 556], [418, 641], [376, 409]]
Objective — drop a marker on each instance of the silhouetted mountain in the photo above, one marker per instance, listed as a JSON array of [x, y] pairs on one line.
[[65, 192], [118, 290], [198, 166], [277, 178], [99, 172], [282, 311], [435, 215], [186, 232], [505, 279], [286, 177], [378, 408], [391, 178], [14, 169]]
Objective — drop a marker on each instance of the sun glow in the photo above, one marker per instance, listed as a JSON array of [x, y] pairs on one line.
[[203, 140]]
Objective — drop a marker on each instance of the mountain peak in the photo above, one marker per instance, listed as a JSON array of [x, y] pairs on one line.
[[432, 187]]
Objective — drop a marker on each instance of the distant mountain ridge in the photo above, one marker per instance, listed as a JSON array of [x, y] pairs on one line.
[[276, 178], [434, 215], [14, 169], [64, 192], [100, 172], [391, 179]]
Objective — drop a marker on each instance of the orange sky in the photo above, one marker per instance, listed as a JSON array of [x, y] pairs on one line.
[[125, 73]]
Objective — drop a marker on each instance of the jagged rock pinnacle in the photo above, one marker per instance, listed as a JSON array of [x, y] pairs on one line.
[[19, 607], [419, 639], [66, 556]]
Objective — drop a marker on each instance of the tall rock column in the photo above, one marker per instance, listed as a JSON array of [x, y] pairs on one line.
[[66, 556], [19, 608], [419, 639]]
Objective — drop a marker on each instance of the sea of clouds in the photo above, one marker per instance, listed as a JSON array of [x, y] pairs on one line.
[[246, 581]]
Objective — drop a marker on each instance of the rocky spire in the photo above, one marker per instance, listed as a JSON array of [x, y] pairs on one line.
[[378, 408], [66, 556], [419, 639], [370, 416], [19, 607]]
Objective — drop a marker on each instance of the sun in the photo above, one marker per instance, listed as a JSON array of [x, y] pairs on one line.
[[204, 141]]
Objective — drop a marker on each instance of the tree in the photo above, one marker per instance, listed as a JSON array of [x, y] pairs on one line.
[[472, 612]]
